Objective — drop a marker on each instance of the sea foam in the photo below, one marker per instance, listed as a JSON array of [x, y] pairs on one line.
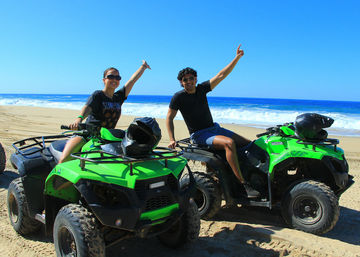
[[260, 115]]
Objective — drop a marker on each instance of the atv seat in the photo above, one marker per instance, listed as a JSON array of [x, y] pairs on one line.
[[196, 147], [56, 148]]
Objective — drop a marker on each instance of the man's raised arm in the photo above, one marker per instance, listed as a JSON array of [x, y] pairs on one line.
[[226, 71]]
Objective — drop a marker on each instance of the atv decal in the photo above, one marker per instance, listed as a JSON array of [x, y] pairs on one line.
[[298, 153]]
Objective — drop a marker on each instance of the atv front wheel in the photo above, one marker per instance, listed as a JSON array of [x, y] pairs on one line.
[[312, 207], [207, 195], [185, 230], [2, 158], [18, 210], [76, 233]]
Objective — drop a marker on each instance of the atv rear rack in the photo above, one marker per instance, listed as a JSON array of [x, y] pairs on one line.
[[40, 141], [189, 145], [109, 158]]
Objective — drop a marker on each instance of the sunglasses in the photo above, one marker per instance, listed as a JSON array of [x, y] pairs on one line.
[[116, 77], [188, 79]]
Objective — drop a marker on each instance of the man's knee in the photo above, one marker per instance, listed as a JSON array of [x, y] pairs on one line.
[[225, 143], [230, 143]]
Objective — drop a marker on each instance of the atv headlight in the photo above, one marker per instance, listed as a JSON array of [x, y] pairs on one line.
[[157, 184], [110, 196]]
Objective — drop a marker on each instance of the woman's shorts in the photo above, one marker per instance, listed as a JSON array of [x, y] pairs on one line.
[[206, 136]]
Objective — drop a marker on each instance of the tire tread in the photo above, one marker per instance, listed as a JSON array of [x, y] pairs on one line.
[[88, 228], [212, 188], [2, 158], [320, 189], [27, 225]]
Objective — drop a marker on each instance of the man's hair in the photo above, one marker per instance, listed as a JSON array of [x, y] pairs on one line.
[[109, 69], [185, 71]]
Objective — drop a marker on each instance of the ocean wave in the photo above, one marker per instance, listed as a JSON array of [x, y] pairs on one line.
[[256, 116], [42, 103]]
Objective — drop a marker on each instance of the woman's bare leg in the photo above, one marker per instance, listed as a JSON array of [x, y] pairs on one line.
[[73, 145]]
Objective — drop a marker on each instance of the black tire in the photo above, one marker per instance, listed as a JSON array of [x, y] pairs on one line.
[[207, 195], [311, 206], [18, 209], [76, 233], [2, 159], [186, 230]]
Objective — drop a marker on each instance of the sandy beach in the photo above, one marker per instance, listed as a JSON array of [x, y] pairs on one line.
[[233, 232]]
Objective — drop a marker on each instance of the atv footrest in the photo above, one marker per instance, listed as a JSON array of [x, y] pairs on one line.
[[248, 202], [40, 217]]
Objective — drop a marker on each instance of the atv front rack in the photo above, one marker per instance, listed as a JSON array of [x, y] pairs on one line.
[[106, 157], [327, 141], [276, 131], [40, 142]]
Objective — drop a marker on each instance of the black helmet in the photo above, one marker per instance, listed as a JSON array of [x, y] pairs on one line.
[[141, 137], [310, 126]]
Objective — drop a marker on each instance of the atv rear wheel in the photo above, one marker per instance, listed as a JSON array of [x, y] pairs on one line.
[[76, 233], [18, 209], [311, 206], [183, 231], [2, 158], [207, 195]]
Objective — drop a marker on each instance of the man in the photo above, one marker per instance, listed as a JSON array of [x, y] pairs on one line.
[[193, 105]]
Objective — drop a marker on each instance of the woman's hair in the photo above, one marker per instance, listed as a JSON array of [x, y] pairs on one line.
[[185, 71], [109, 69]]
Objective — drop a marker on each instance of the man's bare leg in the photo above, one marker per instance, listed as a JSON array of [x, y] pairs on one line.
[[228, 144]]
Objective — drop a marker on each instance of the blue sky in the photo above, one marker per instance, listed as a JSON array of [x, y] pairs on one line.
[[293, 49]]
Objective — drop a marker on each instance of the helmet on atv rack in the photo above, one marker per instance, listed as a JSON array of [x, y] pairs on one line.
[[309, 126], [141, 137]]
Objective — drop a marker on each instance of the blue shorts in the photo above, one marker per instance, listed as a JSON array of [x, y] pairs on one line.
[[206, 136]]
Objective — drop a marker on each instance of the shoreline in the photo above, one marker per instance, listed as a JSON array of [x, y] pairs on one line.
[[58, 116]]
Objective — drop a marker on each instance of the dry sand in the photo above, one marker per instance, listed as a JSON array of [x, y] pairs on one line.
[[233, 232]]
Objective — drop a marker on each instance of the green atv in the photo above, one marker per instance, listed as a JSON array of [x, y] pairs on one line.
[[2, 158], [293, 166], [119, 186]]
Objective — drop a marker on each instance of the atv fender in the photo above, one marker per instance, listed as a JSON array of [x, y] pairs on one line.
[[338, 169], [33, 168]]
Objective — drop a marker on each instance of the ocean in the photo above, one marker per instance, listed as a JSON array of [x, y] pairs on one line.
[[253, 112]]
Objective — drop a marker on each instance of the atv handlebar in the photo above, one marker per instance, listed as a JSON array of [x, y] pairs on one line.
[[81, 126], [262, 134], [84, 129]]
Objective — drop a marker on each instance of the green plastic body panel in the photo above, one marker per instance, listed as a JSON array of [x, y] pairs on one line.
[[106, 134], [159, 213], [112, 173], [281, 148]]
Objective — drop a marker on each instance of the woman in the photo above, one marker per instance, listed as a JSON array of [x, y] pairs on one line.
[[103, 106]]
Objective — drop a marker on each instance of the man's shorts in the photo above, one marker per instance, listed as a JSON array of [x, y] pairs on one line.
[[206, 136]]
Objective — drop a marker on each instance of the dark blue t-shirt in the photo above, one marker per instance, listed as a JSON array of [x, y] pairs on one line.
[[194, 107], [104, 110]]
